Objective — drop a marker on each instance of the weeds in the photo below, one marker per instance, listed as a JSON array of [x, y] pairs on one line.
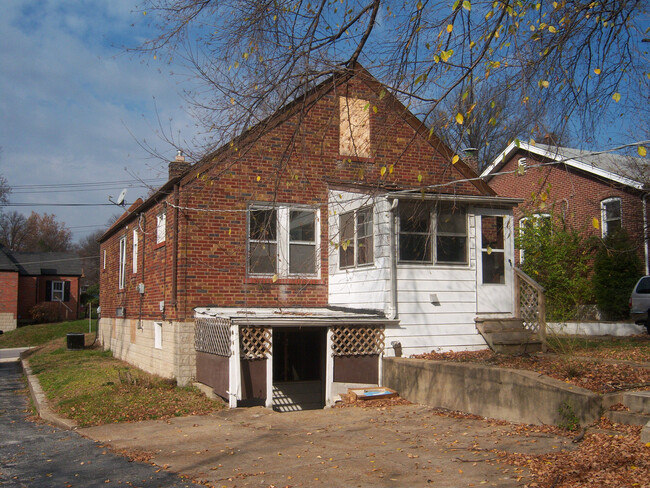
[[568, 415]]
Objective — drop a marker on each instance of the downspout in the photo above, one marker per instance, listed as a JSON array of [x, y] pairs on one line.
[[175, 246], [393, 262], [645, 233]]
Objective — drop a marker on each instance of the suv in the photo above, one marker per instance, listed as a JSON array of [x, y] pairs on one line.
[[640, 302]]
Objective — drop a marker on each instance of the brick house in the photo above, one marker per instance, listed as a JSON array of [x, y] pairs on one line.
[[30, 278], [607, 189], [280, 268]]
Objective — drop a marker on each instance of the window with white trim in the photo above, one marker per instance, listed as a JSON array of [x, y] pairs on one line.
[[354, 127], [283, 241], [58, 291], [611, 215], [157, 335], [356, 243], [161, 224], [435, 234], [135, 251], [122, 263]]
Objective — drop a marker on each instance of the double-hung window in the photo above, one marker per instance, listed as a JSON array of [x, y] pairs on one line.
[[356, 246], [283, 241], [122, 263], [432, 234], [135, 251], [161, 224], [58, 291], [611, 216]]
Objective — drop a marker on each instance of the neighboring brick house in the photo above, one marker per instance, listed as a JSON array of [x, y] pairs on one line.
[[280, 268], [29, 278], [582, 187]]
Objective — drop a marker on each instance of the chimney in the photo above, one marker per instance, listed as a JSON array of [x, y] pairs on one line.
[[178, 166], [470, 156]]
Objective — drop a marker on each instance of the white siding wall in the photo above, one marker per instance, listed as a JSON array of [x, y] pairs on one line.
[[445, 324], [365, 287]]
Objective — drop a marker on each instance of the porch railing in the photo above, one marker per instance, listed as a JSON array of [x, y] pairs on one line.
[[530, 305]]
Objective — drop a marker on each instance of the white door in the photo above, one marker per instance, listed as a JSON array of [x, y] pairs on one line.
[[494, 262]]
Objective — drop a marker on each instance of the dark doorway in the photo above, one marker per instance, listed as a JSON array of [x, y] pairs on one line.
[[298, 368]]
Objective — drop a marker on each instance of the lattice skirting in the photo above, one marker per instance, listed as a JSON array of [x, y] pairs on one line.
[[213, 335], [255, 342], [350, 340]]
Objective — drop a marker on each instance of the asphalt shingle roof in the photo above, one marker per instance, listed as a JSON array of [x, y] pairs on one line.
[[40, 263]]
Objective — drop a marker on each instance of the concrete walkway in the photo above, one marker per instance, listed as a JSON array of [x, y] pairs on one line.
[[393, 447]]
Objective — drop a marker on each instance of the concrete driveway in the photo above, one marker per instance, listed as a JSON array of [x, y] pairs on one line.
[[394, 447]]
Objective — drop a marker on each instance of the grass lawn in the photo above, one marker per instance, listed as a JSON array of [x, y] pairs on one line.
[[93, 388], [35, 335]]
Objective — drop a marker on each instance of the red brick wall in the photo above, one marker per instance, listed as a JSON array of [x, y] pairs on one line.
[[32, 290], [571, 193], [295, 163], [9, 293]]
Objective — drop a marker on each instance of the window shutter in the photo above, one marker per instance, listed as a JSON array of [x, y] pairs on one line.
[[48, 291], [66, 292]]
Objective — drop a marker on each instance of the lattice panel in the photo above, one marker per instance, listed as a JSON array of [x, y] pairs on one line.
[[529, 306], [357, 341], [254, 342], [212, 335]]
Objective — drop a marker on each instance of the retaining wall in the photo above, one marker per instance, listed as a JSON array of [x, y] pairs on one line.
[[512, 395]]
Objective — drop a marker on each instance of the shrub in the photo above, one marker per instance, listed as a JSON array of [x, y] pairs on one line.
[[558, 258], [617, 268], [46, 312]]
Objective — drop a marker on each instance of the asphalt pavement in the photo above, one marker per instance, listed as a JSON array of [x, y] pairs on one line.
[[35, 454]]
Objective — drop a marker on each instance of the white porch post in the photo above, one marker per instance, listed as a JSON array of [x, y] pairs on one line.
[[329, 368], [269, 375], [234, 379]]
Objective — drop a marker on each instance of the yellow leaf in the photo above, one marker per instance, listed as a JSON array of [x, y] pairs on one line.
[[597, 71], [144, 12], [488, 250], [419, 5], [595, 223], [467, 5], [552, 29], [460, 119], [374, 108], [450, 28], [543, 196], [544, 83], [641, 150], [616, 97], [390, 169], [455, 159], [275, 278], [259, 178], [419, 178], [383, 170]]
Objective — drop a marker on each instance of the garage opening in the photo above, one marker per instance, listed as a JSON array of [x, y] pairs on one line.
[[299, 368]]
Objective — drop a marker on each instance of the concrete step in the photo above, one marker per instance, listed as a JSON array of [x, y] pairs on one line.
[[518, 337], [499, 325], [637, 401], [627, 418]]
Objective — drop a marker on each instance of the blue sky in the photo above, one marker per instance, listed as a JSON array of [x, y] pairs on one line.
[[73, 106]]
